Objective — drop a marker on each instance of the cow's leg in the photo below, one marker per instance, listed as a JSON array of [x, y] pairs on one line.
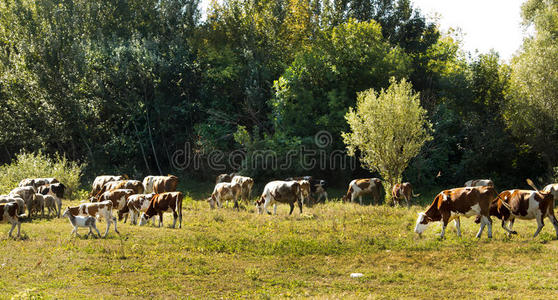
[[292, 208], [114, 220], [161, 219], [458, 226], [98, 233], [408, 200], [485, 221], [59, 204], [443, 233], [300, 206], [266, 204], [18, 228], [540, 224], [174, 216], [106, 231], [275, 208], [12, 229], [508, 228], [360, 199]]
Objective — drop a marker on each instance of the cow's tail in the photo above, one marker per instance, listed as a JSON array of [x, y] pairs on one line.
[[504, 203], [532, 184], [415, 195]]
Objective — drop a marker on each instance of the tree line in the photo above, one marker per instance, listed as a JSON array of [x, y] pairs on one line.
[[121, 86]]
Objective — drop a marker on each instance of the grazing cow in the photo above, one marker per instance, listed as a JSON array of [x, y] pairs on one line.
[[403, 190], [14, 198], [246, 184], [225, 191], [224, 178], [525, 205], [317, 188], [57, 191], [451, 204], [360, 187], [280, 192], [98, 210], [100, 181], [479, 182], [27, 193], [9, 214], [137, 204], [165, 184], [51, 203], [161, 203]]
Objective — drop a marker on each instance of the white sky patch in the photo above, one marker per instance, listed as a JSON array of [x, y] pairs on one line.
[[485, 24]]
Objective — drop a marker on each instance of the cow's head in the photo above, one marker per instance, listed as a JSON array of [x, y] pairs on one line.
[[260, 204], [422, 223], [66, 213], [143, 219], [211, 200]]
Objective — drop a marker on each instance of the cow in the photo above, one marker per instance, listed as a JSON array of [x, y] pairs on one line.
[[451, 204], [137, 204], [55, 190], [98, 210], [38, 204], [279, 191], [51, 203], [118, 197], [171, 201], [37, 182], [100, 181], [403, 191], [317, 188], [553, 189], [160, 184], [246, 184], [14, 198], [360, 187], [479, 182], [224, 178], [9, 214], [525, 205], [134, 185], [225, 191], [27, 193]]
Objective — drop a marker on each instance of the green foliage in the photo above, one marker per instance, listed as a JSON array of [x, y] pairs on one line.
[[388, 129], [39, 165]]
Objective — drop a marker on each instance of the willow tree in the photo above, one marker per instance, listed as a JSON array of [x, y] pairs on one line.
[[387, 129]]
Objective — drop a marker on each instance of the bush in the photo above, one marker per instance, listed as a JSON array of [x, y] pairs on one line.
[[35, 165]]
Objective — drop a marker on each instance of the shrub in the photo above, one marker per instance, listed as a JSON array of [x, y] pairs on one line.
[[35, 165]]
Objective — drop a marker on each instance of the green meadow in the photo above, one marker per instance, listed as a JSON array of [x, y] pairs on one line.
[[228, 254]]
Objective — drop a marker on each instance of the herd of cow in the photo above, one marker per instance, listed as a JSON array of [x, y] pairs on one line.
[[157, 194]]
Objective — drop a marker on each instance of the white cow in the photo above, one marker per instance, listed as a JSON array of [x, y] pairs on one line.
[[280, 192]]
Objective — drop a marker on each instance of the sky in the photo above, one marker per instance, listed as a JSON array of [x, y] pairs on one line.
[[485, 24]]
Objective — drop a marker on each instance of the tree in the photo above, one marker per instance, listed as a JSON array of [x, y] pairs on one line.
[[388, 129]]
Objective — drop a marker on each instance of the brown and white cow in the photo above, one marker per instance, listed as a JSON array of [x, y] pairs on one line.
[[451, 204], [360, 187], [27, 193], [403, 191], [164, 202], [224, 177], [100, 181], [9, 214], [280, 192], [119, 199], [479, 182], [160, 184], [137, 204], [246, 184], [525, 205], [225, 191], [14, 198], [98, 210]]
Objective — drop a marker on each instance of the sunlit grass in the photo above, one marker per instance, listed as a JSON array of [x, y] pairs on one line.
[[224, 253]]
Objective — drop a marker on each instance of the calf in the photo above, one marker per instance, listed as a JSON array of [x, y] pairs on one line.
[[246, 184], [98, 210], [225, 191], [38, 204], [9, 214], [57, 191], [26, 193], [360, 187], [403, 190], [161, 203], [525, 205], [451, 204], [280, 192], [479, 182], [51, 203], [82, 221], [137, 204]]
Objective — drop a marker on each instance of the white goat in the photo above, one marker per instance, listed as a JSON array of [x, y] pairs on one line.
[[82, 221]]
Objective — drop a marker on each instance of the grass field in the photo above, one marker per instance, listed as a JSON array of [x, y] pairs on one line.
[[228, 254]]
